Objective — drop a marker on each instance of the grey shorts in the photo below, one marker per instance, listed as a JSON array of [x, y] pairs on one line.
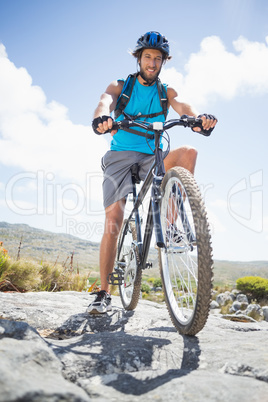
[[117, 181]]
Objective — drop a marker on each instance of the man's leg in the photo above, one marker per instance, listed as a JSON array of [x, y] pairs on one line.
[[113, 222], [184, 156]]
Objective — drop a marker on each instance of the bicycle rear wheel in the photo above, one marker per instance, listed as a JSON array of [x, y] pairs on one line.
[[186, 264], [128, 261]]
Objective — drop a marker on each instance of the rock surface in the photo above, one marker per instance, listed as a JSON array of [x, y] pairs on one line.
[[51, 350]]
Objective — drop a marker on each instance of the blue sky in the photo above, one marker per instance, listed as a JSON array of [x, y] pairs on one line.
[[57, 57]]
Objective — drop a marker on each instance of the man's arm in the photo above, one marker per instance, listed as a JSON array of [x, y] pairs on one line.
[[184, 108], [107, 104]]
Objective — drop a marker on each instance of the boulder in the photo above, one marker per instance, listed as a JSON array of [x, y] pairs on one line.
[[236, 306], [29, 369], [223, 298], [235, 292], [265, 313], [255, 311], [214, 304], [242, 298]]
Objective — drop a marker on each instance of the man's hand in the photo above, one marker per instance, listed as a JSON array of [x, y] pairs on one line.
[[208, 123], [102, 125]]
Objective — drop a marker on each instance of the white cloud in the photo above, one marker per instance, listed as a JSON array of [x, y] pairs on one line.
[[216, 72], [215, 222], [37, 135], [60, 175]]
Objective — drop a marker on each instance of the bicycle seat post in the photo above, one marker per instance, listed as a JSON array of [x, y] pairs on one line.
[[135, 179]]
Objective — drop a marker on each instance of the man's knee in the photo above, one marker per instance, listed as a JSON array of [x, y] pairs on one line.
[[184, 156], [189, 151], [188, 159]]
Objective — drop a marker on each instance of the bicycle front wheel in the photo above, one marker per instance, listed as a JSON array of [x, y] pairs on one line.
[[128, 261], [186, 263]]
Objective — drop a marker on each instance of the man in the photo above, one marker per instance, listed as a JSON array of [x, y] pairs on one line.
[[127, 148]]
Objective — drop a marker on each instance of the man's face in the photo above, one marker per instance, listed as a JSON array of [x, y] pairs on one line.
[[150, 64]]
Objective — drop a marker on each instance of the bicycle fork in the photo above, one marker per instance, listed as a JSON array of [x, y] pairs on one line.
[[156, 211]]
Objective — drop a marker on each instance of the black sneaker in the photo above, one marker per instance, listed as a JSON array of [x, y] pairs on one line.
[[101, 304]]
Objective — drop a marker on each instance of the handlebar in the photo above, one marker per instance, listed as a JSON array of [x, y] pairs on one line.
[[156, 127]]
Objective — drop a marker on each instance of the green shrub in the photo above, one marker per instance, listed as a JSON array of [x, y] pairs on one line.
[[154, 297], [157, 283], [254, 287], [145, 288]]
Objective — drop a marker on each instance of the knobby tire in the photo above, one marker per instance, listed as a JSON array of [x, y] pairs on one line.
[[186, 267], [127, 253]]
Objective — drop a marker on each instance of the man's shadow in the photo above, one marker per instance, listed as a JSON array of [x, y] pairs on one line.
[[105, 348], [128, 384]]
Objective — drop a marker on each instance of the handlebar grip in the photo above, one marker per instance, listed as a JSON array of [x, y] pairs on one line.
[[199, 124], [115, 126], [194, 122]]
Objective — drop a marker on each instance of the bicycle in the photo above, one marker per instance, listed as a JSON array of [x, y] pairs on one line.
[[178, 218]]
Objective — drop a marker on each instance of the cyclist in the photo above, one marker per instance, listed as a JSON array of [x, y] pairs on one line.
[[128, 148]]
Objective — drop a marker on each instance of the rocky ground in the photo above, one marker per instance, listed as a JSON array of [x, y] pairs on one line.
[[52, 350]]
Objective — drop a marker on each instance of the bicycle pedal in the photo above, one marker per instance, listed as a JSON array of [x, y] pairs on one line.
[[148, 265], [115, 278]]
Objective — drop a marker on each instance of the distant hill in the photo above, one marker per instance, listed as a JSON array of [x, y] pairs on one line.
[[230, 271], [41, 245]]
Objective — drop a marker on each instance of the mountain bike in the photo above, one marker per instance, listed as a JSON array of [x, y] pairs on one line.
[[177, 216]]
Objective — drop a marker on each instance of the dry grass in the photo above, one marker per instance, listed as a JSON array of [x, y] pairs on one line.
[[26, 275]]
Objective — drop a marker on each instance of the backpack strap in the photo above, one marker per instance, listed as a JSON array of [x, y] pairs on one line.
[[140, 133], [162, 92], [125, 95]]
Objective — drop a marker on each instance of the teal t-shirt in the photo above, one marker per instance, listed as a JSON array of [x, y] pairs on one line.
[[144, 100]]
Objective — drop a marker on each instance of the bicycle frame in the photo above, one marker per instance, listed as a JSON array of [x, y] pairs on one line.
[[154, 177]]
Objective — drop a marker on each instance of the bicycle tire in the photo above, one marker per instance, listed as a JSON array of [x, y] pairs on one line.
[[127, 254], [186, 265]]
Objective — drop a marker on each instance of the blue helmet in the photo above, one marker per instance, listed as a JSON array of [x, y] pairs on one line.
[[153, 40]]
